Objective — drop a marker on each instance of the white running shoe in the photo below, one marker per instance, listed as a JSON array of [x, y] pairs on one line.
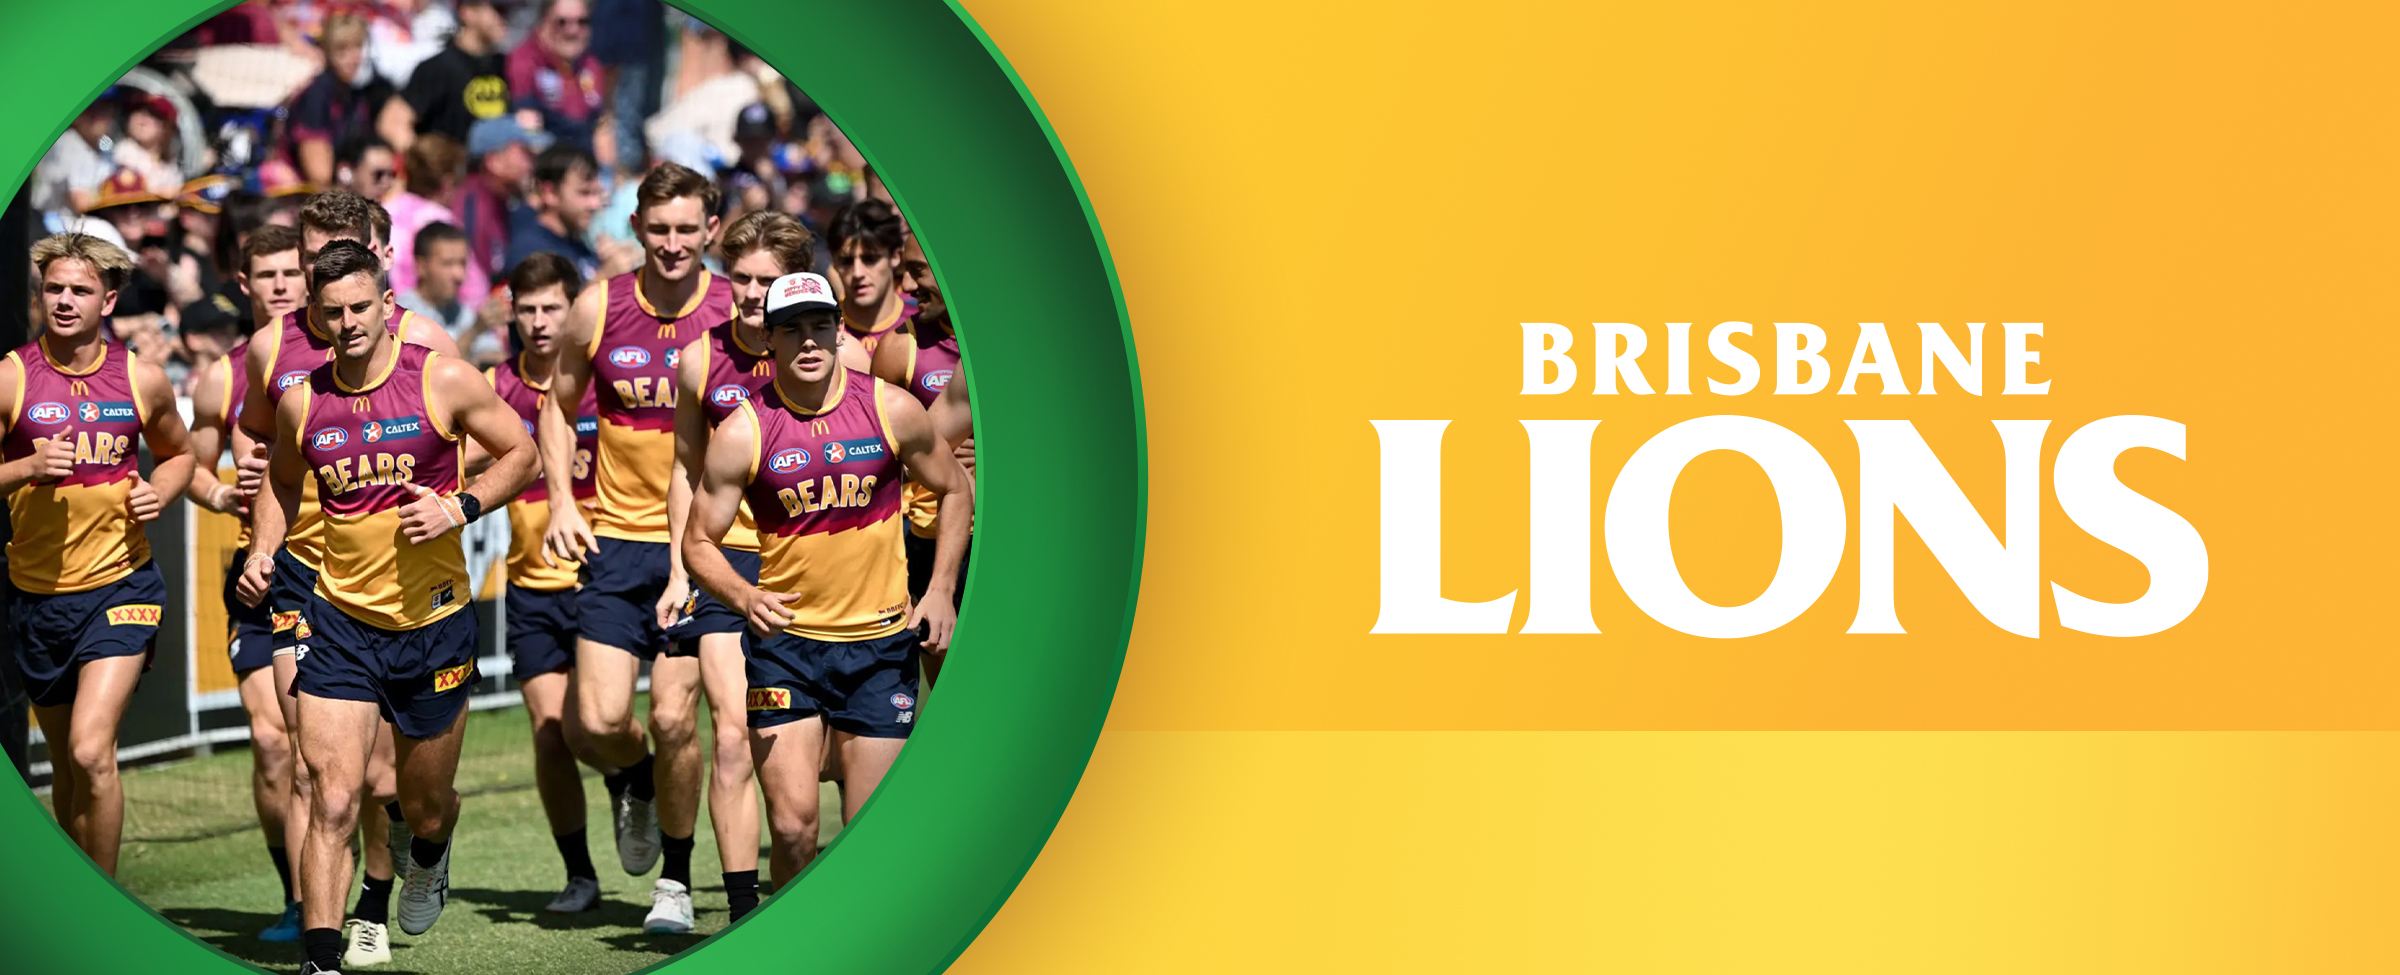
[[670, 909], [370, 944], [581, 894], [427, 889], [638, 847]]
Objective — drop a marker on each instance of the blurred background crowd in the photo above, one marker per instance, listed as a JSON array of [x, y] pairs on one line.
[[491, 129]]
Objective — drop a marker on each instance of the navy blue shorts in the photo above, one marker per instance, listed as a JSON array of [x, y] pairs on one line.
[[703, 614], [541, 631], [56, 635], [288, 596], [250, 639], [920, 568], [865, 687], [618, 604], [418, 679]]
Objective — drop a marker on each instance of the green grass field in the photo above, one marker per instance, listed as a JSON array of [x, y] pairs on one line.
[[193, 852]]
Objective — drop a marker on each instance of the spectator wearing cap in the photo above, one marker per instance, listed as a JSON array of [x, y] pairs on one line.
[[555, 73], [339, 105], [69, 176], [466, 83], [558, 216], [149, 144], [210, 328], [503, 152], [437, 168]]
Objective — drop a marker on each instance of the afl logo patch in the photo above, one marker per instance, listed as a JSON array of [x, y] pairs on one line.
[[770, 699], [788, 461], [88, 412], [903, 701], [729, 396], [629, 357], [47, 413], [331, 438], [936, 381], [291, 379]]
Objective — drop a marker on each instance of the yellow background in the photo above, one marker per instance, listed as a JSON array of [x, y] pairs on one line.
[[1325, 215]]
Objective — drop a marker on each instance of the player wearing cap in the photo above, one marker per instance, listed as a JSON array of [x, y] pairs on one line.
[[820, 456], [541, 595], [866, 238], [270, 275], [624, 337], [724, 369], [378, 430], [924, 359], [280, 357], [87, 598]]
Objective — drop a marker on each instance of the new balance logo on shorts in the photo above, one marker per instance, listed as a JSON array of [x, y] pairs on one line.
[[145, 614], [449, 678], [770, 699]]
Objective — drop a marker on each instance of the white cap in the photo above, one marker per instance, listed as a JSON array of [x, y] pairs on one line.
[[796, 293]]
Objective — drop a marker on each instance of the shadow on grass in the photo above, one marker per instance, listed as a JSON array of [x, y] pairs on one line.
[[236, 934], [640, 942], [526, 907]]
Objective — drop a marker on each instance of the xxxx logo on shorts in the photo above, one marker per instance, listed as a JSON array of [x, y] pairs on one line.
[[142, 614], [449, 678], [286, 620], [770, 699]]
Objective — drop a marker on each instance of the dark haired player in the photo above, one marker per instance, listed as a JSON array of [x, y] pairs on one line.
[[541, 595], [87, 597], [624, 337], [378, 430], [820, 456], [867, 237], [924, 359]]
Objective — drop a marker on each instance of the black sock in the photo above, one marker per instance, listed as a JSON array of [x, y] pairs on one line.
[[426, 852], [391, 810], [741, 891], [577, 852], [639, 780], [374, 901], [283, 869], [679, 859], [324, 947]]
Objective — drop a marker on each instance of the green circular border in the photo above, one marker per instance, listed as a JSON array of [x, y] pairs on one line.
[[1061, 490]]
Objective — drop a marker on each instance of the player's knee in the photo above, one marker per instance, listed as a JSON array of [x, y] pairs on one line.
[[94, 761], [269, 743], [428, 813], [672, 727], [333, 806], [793, 822]]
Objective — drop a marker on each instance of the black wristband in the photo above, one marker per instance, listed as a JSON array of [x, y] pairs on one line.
[[470, 506]]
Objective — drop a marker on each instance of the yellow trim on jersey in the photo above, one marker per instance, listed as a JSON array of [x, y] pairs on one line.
[[133, 381], [300, 432], [736, 328], [227, 361], [308, 320], [758, 439], [61, 367], [707, 349], [527, 381], [890, 441], [591, 350], [699, 294], [369, 386], [841, 383], [425, 393], [16, 410]]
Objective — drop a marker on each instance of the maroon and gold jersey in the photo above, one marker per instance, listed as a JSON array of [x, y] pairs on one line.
[[735, 373], [931, 369], [529, 514], [633, 354], [886, 322], [826, 489], [237, 391], [75, 534], [362, 445], [296, 350]]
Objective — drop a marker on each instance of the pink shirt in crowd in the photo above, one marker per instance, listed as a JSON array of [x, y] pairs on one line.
[[410, 213]]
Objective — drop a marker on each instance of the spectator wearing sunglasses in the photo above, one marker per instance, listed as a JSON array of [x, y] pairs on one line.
[[555, 73]]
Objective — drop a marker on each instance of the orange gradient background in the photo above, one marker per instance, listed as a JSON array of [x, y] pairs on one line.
[[1326, 215]]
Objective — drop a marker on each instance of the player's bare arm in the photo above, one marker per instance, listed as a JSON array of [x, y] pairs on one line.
[[691, 444], [725, 471], [271, 520], [929, 463], [955, 425], [249, 438], [208, 435], [55, 459], [481, 419], [568, 538], [420, 330], [163, 431]]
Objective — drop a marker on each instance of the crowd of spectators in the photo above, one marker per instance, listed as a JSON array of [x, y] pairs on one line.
[[491, 129]]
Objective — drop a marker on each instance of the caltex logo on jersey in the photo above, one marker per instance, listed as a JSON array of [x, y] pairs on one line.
[[674, 356], [401, 429], [903, 701], [864, 449], [331, 438], [730, 396], [936, 380], [47, 413], [291, 379], [629, 356], [88, 412], [115, 410], [788, 461]]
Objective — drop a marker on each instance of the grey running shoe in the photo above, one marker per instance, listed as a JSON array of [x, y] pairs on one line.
[[638, 847], [581, 894], [428, 888]]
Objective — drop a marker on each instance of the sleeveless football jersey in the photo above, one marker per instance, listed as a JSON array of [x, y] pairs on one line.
[[931, 368], [633, 364], [826, 489], [237, 390], [296, 350], [885, 323], [529, 514], [361, 445], [74, 534], [735, 373]]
